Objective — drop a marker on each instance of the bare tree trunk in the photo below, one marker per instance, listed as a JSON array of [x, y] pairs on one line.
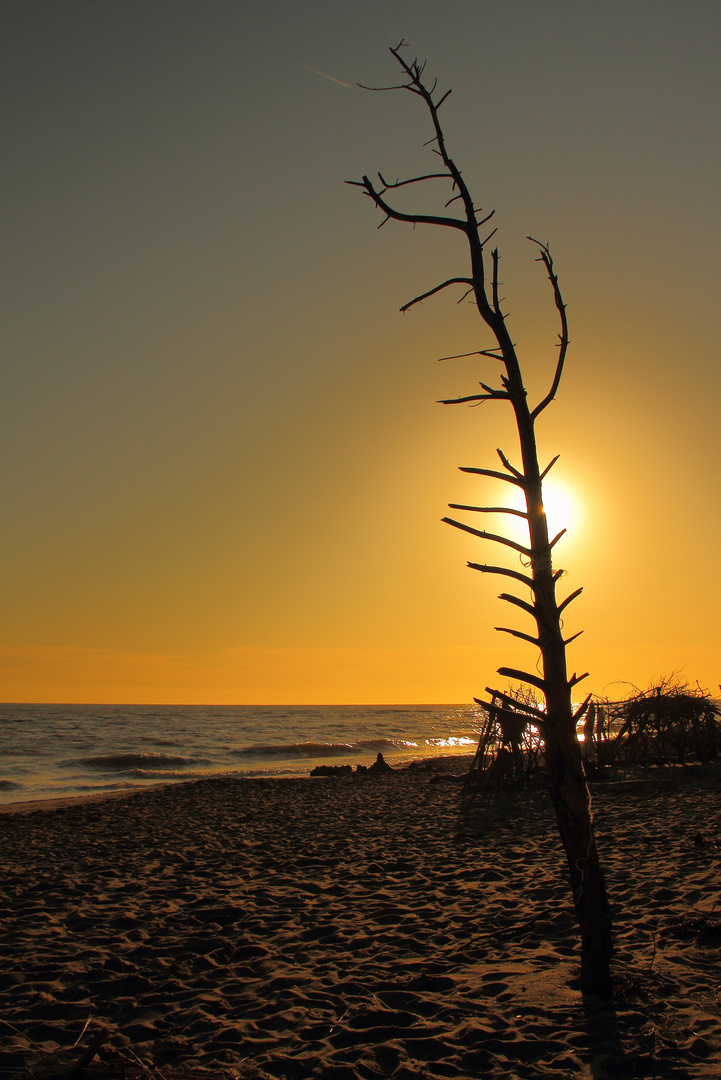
[[569, 795], [568, 788]]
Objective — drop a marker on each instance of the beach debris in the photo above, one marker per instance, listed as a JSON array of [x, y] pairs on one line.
[[334, 771], [671, 723], [699, 927], [510, 751], [78, 1069], [379, 767]]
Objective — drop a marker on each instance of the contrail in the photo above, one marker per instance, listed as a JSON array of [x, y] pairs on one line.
[[324, 76]]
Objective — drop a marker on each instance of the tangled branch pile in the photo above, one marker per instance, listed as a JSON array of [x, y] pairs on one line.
[[671, 723]]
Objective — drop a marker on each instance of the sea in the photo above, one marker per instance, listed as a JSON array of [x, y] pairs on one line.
[[52, 751]]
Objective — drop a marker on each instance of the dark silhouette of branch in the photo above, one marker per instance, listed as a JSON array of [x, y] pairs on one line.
[[517, 602], [492, 395], [504, 571], [519, 634], [567, 601], [506, 463], [387, 185], [547, 261], [489, 536], [519, 482], [549, 467], [582, 708], [477, 352], [516, 706], [432, 292], [523, 676], [512, 714], [495, 258], [489, 509]]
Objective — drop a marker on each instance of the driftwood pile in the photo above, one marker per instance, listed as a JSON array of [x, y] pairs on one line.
[[511, 751], [669, 724]]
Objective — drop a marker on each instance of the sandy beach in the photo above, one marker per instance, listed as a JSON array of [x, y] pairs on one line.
[[356, 928]]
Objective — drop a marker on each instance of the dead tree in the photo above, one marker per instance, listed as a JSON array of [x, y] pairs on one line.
[[568, 788]]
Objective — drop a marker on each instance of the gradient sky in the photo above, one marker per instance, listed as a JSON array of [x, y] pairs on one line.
[[224, 467]]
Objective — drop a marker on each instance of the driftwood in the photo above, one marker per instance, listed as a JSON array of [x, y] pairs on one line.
[[78, 1069], [669, 724], [567, 781], [510, 751]]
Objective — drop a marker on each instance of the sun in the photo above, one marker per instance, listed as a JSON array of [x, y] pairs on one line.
[[563, 509]]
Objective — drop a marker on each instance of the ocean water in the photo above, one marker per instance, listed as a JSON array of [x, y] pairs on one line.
[[48, 751]]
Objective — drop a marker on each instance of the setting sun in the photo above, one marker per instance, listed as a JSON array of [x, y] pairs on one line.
[[563, 510]]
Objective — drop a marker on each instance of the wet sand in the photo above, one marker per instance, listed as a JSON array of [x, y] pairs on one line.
[[356, 928]]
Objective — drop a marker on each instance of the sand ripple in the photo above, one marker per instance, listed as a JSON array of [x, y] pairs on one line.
[[359, 928]]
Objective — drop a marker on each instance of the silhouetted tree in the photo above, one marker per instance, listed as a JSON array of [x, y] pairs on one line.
[[568, 787]]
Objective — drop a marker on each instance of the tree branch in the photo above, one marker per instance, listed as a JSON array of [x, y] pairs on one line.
[[518, 706], [431, 292], [519, 634], [478, 352], [504, 572], [549, 466], [489, 509], [495, 258], [489, 536], [582, 708], [517, 602], [547, 261], [511, 714], [413, 219], [523, 676], [508, 465], [387, 185], [493, 474], [568, 599], [494, 395]]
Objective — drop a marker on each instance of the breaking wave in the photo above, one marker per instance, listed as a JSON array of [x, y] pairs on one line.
[[130, 762], [286, 751]]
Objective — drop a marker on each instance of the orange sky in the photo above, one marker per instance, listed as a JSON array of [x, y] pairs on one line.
[[224, 465]]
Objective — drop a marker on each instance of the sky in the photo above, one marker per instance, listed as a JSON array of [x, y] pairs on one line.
[[224, 467]]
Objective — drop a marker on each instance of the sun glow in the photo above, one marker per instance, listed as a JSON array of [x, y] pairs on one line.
[[563, 510]]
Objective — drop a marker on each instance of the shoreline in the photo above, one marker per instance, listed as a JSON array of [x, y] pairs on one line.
[[640, 778], [442, 763], [283, 930]]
